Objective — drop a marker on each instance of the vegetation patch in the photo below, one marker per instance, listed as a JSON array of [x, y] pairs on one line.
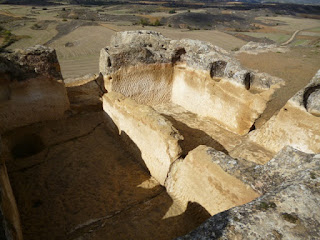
[[146, 22], [264, 206], [289, 217], [8, 38]]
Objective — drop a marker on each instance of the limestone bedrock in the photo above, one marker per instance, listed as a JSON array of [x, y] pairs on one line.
[[202, 78], [288, 208]]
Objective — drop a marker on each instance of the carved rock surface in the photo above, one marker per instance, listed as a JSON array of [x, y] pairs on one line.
[[154, 135], [289, 208], [219, 189], [152, 69], [133, 47], [297, 124]]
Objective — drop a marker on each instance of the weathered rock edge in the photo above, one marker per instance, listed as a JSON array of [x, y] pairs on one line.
[[29, 88], [158, 143], [154, 135], [297, 124], [200, 178], [288, 209]]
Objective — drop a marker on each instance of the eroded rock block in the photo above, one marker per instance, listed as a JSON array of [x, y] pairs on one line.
[[288, 208], [204, 176], [154, 136], [35, 61], [297, 124], [29, 90]]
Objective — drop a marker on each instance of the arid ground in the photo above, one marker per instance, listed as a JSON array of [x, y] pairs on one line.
[[78, 33]]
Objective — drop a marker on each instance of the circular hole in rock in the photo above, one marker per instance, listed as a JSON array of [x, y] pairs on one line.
[[27, 146]]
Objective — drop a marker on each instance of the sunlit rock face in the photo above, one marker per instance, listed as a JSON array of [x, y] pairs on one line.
[[192, 79], [29, 88], [288, 208], [297, 124], [198, 76], [219, 189], [152, 133]]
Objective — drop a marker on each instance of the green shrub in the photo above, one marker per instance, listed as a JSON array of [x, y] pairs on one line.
[[144, 22], [157, 23]]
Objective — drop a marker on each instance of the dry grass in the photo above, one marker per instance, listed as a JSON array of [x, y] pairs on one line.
[[151, 18], [87, 40], [292, 24], [36, 36]]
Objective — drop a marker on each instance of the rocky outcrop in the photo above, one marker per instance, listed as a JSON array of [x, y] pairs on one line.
[[155, 136], [35, 61], [297, 124], [288, 208], [144, 71], [152, 69], [257, 48], [158, 144], [219, 190], [29, 90]]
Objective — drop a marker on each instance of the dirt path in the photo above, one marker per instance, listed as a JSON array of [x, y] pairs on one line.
[[291, 38], [113, 28]]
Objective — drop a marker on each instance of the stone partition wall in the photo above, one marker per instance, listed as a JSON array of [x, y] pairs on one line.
[[155, 136], [200, 178], [158, 143], [231, 105]]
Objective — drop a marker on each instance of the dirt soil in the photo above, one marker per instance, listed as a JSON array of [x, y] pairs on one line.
[[79, 182], [296, 67]]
